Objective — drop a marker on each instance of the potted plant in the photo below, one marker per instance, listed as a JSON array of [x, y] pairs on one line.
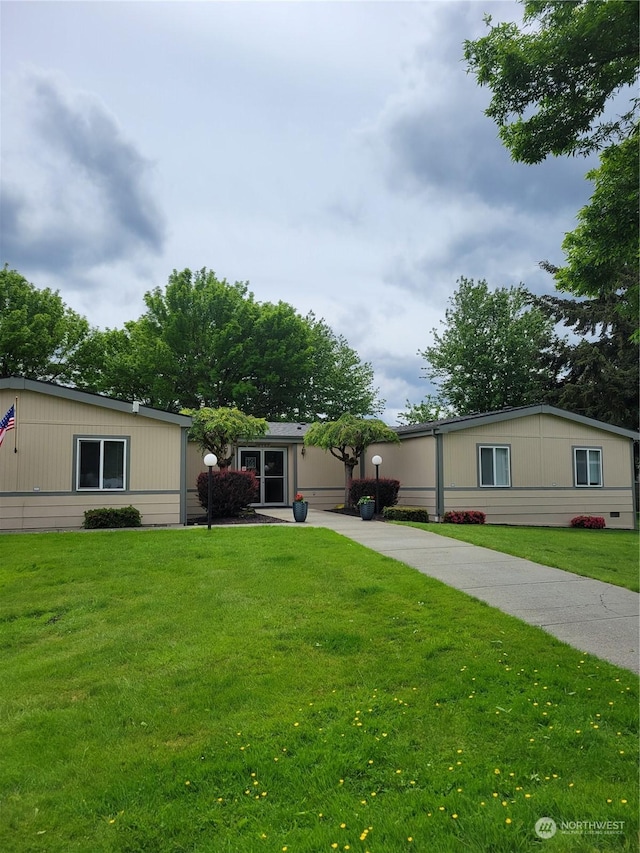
[[300, 507], [367, 506]]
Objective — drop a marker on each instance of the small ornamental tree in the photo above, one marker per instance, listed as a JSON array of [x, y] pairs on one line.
[[220, 430], [347, 439]]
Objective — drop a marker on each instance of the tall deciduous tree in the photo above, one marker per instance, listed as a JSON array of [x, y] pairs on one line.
[[220, 430], [489, 355], [553, 79], [205, 342], [339, 382], [347, 439], [431, 408], [39, 335]]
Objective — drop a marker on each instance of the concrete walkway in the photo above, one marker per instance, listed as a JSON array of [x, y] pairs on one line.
[[592, 616]]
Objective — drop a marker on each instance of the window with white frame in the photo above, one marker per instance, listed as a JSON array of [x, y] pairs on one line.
[[587, 466], [101, 463], [495, 466]]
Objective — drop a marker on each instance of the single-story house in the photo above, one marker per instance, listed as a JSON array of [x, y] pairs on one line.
[[536, 465], [71, 451], [532, 465]]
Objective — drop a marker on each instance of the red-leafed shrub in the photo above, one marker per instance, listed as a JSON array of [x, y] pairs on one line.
[[590, 522], [387, 489], [464, 516], [231, 492]]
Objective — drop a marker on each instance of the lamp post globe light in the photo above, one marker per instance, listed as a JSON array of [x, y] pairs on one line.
[[210, 460], [377, 461]]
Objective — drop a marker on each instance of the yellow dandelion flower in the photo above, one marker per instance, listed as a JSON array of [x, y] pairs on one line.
[[623, 801], [508, 820], [497, 771], [343, 826], [454, 816]]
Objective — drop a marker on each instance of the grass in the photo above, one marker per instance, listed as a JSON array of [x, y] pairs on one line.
[[606, 555], [259, 689]]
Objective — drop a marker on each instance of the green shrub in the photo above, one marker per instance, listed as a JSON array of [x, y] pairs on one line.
[[387, 491], [125, 516], [405, 513]]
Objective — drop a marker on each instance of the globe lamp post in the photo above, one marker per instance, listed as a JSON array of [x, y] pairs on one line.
[[377, 461], [210, 460]]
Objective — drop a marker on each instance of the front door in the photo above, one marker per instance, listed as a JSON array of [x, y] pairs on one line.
[[269, 467]]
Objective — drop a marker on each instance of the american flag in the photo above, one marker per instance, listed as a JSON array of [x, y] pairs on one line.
[[8, 422]]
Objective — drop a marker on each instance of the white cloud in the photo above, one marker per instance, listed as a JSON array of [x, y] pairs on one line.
[[335, 155]]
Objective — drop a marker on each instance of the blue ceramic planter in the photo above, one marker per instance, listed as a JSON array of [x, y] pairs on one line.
[[300, 509]]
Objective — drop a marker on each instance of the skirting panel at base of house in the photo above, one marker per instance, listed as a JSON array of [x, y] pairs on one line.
[[544, 507], [51, 511]]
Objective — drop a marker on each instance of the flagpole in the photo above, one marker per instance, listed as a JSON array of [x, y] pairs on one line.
[[15, 429]]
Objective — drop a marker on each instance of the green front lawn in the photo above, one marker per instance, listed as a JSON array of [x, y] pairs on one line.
[[606, 555], [264, 689]]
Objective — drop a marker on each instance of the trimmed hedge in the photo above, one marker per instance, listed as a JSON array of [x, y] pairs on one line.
[[387, 490], [589, 522], [405, 513], [126, 516], [464, 516], [232, 491]]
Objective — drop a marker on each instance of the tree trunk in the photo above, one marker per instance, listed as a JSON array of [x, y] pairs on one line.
[[348, 476]]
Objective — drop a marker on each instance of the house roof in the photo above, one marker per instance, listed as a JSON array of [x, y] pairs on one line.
[[287, 430], [19, 383], [467, 421]]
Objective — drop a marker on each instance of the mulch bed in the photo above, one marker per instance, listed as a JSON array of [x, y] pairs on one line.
[[246, 518]]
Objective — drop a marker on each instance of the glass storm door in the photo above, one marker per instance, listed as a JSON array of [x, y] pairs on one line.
[[269, 468]]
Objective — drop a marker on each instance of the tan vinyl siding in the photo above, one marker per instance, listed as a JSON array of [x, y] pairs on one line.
[[541, 452], [37, 488], [413, 463], [544, 507], [66, 512]]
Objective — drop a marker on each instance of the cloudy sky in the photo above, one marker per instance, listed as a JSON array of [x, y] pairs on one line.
[[335, 155]]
